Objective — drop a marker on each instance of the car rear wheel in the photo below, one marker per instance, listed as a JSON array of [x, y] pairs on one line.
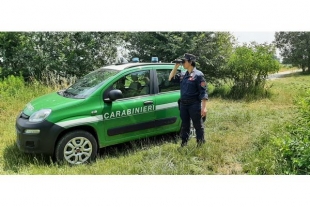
[[76, 147]]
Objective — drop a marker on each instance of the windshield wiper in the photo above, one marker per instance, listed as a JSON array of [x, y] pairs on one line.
[[68, 94]]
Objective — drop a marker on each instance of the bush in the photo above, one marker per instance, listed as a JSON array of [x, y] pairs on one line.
[[250, 93], [249, 67], [220, 88], [222, 91], [15, 88], [289, 151], [11, 86], [287, 66], [295, 148]]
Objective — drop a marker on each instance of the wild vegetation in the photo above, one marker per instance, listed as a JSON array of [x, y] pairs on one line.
[[294, 48], [254, 125], [285, 149], [249, 67], [243, 137]]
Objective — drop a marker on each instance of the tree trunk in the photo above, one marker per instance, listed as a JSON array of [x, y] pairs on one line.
[[303, 67], [308, 58], [308, 62]]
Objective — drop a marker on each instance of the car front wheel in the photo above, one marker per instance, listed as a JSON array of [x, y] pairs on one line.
[[76, 147]]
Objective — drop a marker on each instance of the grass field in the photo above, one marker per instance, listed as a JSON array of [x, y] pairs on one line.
[[232, 128]]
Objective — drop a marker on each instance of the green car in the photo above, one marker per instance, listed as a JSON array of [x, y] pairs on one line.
[[111, 105]]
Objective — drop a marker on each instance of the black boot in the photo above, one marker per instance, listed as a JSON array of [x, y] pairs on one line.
[[184, 143], [200, 142]]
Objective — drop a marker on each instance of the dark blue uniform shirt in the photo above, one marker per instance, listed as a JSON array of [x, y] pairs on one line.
[[193, 85]]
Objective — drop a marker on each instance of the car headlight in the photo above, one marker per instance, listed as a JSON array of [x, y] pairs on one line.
[[40, 115]]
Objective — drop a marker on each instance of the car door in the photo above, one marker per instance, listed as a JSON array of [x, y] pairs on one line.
[[132, 116], [166, 99]]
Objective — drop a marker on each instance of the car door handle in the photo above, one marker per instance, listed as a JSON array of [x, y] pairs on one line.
[[148, 103]]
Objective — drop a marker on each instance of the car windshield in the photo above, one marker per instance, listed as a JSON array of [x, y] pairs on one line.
[[85, 86]]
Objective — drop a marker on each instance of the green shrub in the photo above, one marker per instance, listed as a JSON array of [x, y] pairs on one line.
[[295, 149], [222, 91], [15, 88], [287, 66], [11, 86], [219, 89], [211, 88], [286, 152], [249, 67], [250, 93]]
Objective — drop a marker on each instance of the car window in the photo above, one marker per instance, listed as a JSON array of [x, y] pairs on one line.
[[164, 84], [133, 84], [88, 84]]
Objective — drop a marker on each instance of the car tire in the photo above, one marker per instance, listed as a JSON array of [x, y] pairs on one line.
[[76, 147]]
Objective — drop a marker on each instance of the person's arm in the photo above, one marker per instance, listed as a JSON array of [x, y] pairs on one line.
[[174, 71]]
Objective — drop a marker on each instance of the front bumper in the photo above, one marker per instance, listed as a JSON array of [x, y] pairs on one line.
[[39, 143]]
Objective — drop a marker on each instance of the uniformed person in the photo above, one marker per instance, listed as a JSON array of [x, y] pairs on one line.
[[193, 101]]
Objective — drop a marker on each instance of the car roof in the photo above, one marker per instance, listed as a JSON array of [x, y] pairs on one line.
[[131, 65]]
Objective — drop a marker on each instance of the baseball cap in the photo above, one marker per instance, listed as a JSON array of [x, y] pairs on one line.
[[189, 57]]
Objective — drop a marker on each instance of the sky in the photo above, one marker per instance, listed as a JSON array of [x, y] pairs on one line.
[[259, 37]]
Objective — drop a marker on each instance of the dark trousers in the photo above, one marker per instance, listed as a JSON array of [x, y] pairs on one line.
[[188, 112]]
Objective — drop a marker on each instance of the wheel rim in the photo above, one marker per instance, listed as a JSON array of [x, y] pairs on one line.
[[78, 150]]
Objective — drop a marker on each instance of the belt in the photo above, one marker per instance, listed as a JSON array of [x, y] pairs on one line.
[[189, 101]]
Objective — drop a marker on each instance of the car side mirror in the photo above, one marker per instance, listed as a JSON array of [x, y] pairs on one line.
[[113, 95]]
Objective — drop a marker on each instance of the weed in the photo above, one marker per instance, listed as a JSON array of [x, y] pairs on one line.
[[243, 137]]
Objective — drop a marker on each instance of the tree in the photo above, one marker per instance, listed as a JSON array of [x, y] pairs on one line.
[[294, 48], [165, 45], [75, 53], [249, 67], [11, 44], [211, 48], [62, 53]]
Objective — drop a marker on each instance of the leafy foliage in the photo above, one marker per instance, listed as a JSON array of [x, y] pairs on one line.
[[53, 56], [11, 86], [295, 148], [294, 47], [233, 129], [67, 53], [249, 67], [212, 49], [286, 149], [11, 50]]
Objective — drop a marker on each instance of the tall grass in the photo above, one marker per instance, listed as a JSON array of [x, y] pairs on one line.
[[54, 79], [237, 134], [285, 149]]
